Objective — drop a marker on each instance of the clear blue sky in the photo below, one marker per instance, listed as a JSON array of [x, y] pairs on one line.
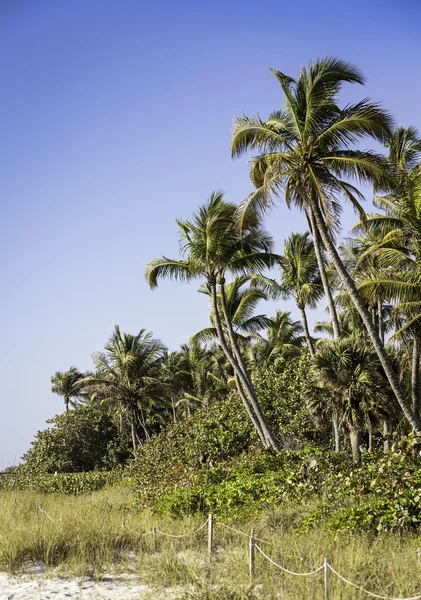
[[116, 118]]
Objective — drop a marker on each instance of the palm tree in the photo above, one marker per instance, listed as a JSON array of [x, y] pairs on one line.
[[241, 302], [211, 246], [353, 371], [66, 385], [284, 338], [306, 153], [300, 278], [128, 375], [398, 247]]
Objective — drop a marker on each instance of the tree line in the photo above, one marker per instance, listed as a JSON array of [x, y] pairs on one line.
[[365, 358]]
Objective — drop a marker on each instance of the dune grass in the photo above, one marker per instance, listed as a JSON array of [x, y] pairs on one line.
[[86, 538]]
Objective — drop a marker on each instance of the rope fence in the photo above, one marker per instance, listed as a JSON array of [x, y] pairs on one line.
[[326, 568]]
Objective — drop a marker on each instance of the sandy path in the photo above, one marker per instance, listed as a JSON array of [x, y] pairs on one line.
[[43, 588]]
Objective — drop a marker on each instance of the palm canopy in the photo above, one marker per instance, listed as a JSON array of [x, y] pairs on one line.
[[128, 375], [241, 303], [66, 385], [211, 245], [306, 148]]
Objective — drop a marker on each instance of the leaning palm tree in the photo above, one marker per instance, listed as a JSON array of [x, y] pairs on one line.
[[128, 375], [211, 246], [66, 385], [307, 153], [300, 278]]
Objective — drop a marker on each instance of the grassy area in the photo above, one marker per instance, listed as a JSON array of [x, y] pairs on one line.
[[86, 538]]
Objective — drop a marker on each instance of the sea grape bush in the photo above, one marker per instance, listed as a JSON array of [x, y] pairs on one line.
[[62, 483]]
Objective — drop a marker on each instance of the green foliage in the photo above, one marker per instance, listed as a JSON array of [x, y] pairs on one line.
[[83, 439], [383, 494], [252, 484], [62, 483], [280, 390], [171, 458], [222, 431]]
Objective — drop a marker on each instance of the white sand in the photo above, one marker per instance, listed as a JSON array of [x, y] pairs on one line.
[[41, 587]]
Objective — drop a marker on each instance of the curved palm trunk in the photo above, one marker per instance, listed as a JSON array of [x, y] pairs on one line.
[[413, 419], [331, 306], [386, 424], [249, 386], [415, 377], [238, 374], [355, 439], [323, 276], [306, 330]]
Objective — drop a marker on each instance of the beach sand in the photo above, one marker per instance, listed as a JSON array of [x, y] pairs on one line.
[[42, 587]]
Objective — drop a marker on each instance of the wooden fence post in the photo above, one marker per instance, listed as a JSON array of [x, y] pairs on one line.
[[155, 542], [210, 537], [327, 578], [252, 554]]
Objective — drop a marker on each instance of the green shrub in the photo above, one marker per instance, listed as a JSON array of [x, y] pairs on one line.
[[223, 431], [83, 439], [63, 483]]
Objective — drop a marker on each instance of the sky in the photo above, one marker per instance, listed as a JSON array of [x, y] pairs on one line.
[[115, 119]]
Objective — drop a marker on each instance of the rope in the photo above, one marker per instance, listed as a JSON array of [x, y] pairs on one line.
[[135, 532], [358, 587], [183, 534], [44, 512], [247, 535], [287, 570]]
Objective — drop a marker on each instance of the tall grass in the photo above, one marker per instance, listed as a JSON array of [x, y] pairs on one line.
[[90, 540]]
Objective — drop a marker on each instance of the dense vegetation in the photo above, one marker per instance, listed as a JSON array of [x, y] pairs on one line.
[[257, 411]]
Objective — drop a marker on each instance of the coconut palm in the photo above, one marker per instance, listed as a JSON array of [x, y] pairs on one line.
[[66, 385], [300, 278], [307, 153], [241, 302], [128, 375], [211, 246], [397, 252], [358, 397], [284, 338]]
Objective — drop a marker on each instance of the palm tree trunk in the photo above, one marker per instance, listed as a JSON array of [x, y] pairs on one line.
[[380, 318], [249, 386], [323, 276], [133, 432], [415, 378], [355, 439], [66, 403], [238, 374], [306, 330], [413, 419], [386, 436], [336, 434], [330, 303], [173, 409]]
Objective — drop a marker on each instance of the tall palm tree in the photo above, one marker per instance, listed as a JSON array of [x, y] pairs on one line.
[[307, 154], [300, 278], [66, 385], [399, 241], [128, 375], [211, 246]]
